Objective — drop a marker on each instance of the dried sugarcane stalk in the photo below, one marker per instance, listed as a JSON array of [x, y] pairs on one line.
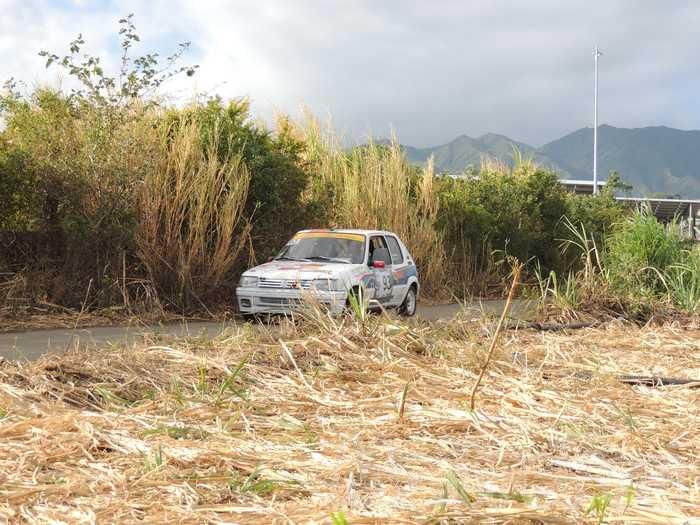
[[513, 287]]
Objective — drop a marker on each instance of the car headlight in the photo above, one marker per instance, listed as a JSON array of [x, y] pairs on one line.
[[248, 281], [328, 285]]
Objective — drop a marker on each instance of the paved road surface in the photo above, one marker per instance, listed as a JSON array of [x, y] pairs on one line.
[[32, 344]]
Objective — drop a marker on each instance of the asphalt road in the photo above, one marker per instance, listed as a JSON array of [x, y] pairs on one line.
[[32, 344]]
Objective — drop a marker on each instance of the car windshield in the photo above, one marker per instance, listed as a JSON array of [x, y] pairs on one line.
[[325, 246]]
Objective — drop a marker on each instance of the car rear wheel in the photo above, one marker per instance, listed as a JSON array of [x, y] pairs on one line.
[[410, 302]]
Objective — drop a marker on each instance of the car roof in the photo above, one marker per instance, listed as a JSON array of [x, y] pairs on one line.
[[345, 230]]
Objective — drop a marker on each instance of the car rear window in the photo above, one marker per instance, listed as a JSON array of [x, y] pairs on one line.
[[394, 250]]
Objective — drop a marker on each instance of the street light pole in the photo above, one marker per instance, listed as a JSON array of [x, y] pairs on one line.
[[596, 54]]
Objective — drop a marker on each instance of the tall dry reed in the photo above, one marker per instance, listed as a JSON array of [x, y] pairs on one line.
[[375, 187], [191, 214]]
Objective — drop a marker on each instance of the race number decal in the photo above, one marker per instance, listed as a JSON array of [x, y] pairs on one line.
[[385, 283], [388, 282]]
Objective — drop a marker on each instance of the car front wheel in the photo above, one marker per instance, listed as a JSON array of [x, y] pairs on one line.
[[408, 307]]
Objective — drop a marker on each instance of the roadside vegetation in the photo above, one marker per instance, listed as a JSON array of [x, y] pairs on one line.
[[116, 200], [641, 270]]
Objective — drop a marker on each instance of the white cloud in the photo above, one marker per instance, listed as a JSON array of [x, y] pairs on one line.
[[433, 70]]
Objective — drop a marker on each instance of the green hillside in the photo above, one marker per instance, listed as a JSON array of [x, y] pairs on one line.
[[654, 159], [464, 151]]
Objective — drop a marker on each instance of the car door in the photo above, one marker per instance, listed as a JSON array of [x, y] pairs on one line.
[[383, 280], [399, 270]]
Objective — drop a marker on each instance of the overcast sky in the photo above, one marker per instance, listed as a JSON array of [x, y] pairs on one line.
[[432, 70]]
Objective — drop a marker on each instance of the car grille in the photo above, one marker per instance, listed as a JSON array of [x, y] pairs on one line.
[[284, 301], [279, 300], [303, 284]]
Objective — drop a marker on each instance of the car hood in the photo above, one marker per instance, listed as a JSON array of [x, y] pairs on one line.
[[304, 270]]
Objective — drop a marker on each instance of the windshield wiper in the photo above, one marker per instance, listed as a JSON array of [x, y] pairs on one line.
[[330, 259], [288, 258]]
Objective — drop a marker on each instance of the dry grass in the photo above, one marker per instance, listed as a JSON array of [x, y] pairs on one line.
[[191, 227], [376, 187], [292, 425]]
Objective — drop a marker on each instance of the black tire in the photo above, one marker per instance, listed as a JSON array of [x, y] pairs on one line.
[[410, 303]]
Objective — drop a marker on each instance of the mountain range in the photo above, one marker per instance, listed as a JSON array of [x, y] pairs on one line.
[[654, 160]]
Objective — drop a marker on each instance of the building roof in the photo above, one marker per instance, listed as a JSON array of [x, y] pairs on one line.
[[581, 186], [666, 209], [663, 209], [581, 182]]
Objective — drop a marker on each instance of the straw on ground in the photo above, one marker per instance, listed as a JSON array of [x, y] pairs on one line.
[[250, 429]]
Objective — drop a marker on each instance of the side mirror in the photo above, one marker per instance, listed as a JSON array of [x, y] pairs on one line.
[[378, 264]]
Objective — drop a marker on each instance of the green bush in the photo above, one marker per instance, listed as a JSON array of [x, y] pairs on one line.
[[515, 213], [18, 189], [648, 261], [521, 212], [598, 214], [76, 167], [642, 269], [683, 281]]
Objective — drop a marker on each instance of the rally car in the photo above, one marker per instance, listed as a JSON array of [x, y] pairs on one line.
[[330, 266]]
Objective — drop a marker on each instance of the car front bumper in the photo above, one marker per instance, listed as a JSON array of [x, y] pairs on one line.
[[284, 301]]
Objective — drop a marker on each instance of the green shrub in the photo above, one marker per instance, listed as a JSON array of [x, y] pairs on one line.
[[517, 213], [639, 253], [598, 214], [649, 262], [71, 163], [643, 268], [18, 189], [77, 167]]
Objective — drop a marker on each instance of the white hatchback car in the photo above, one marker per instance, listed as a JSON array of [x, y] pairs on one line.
[[329, 266]]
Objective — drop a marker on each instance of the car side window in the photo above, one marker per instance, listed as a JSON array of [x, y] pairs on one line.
[[375, 242], [394, 250]]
